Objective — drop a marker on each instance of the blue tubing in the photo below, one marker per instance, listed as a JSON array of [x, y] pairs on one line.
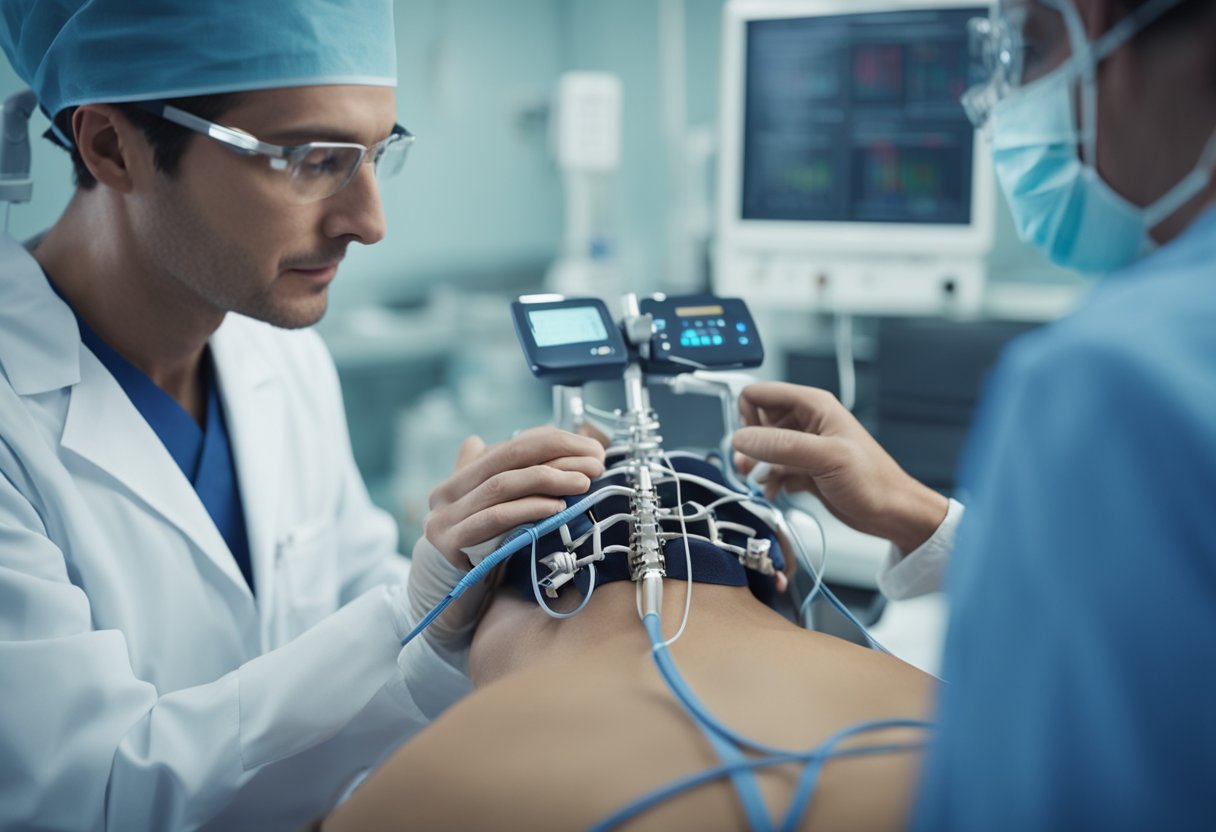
[[512, 545]]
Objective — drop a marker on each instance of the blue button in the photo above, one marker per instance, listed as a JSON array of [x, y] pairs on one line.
[[660, 324], [717, 340], [721, 322], [742, 327], [743, 339], [700, 324]]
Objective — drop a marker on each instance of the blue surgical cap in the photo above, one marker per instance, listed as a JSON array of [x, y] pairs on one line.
[[75, 52]]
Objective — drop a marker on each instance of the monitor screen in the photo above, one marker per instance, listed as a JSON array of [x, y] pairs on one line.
[[855, 118], [570, 325]]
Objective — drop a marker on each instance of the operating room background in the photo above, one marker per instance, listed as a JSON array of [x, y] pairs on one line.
[[419, 324]]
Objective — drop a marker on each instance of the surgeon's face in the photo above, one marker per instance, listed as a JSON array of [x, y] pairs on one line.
[[231, 230]]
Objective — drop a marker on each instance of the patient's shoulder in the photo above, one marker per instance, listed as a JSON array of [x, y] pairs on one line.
[[499, 759], [565, 745]]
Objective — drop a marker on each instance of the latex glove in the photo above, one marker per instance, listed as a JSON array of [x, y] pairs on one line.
[[431, 579], [492, 490], [814, 444]]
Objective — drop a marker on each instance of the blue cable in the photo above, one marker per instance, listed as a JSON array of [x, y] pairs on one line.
[[822, 588], [509, 547], [679, 687], [691, 781], [846, 612], [809, 779], [744, 779], [713, 726]]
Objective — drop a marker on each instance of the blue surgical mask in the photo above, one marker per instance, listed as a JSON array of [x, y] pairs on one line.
[[1060, 203]]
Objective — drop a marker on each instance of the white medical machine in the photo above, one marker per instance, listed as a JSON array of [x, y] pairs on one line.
[[585, 132], [850, 180]]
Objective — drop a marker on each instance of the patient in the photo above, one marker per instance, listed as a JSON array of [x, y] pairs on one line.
[[571, 721]]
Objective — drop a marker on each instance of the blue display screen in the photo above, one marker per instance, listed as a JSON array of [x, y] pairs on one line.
[[569, 325], [856, 118]]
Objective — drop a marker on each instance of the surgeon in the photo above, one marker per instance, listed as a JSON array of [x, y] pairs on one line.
[[1082, 584], [200, 608]]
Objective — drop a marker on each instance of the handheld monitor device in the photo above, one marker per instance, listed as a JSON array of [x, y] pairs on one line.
[[700, 332], [570, 341]]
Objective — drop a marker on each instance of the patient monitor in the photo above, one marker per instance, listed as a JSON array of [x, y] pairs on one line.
[[850, 180]]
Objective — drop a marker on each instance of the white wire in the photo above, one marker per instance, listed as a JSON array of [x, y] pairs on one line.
[[804, 558], [746, 531], [687, 556], [845, 366], [541, 601], [704, 511], [602, 526], [750, 504], [607, 415], [720, 544], [685, 455]]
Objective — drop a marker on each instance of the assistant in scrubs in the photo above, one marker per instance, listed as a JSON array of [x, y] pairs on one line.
[[1082, 583], [201, 609]]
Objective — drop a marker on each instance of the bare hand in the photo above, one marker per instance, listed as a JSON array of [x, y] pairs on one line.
[[496, 488], [816, 445]]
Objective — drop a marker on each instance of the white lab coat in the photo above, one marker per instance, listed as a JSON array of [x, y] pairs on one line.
[[142, 685]]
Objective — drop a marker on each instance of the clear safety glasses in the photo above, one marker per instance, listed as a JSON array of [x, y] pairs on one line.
[[1016, 45], [316, 170], [1022, 41]]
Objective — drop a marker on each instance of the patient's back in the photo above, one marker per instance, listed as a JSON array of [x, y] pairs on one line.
[[573, 737]]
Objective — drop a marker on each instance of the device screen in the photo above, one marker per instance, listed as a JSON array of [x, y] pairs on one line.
[[699, 311], [571, 325], [856, 118]]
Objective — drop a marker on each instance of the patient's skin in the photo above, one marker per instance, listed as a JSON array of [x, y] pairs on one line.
[[572, 721]]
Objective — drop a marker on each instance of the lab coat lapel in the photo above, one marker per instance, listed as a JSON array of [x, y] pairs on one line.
[[253, 406], [104, 427]]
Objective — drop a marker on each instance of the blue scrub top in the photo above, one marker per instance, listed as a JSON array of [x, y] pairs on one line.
[[1081, 655], [202, 452]]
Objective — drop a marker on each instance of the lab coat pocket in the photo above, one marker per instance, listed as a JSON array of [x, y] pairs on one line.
[[307, 578]]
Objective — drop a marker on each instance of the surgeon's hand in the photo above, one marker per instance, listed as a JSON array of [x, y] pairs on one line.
[[814, 444], [496, 488]]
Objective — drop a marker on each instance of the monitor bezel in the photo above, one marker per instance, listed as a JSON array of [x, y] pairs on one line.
[[823, 236]]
